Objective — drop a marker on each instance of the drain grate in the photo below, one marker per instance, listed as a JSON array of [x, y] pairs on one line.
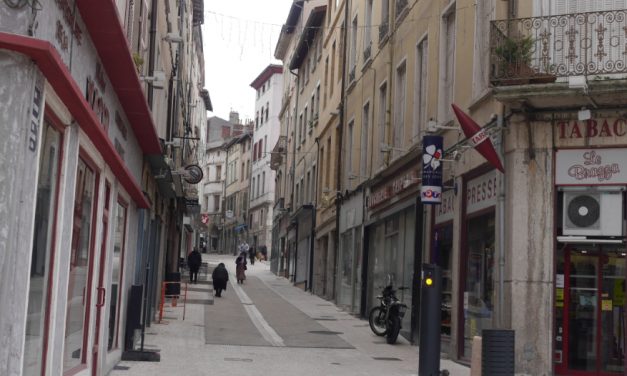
[[238, 360], [325, 319], [336, 364], [324, 332], [121, 368], [361, 326], [385, 358]]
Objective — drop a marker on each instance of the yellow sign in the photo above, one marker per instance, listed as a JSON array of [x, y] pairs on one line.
[[559, 294], [606, 305]]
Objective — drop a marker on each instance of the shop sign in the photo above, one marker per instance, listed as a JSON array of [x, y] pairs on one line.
[[96, 102], [69, 15], [591, 166], [431, 189], [444, 211], [193, 174], [592, 128], [481, 192], [398, 185]]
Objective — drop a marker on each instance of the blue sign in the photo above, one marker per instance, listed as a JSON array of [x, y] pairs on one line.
[[431, 190]]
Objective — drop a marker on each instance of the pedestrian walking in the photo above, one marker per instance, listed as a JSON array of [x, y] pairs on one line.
[[240, 268], [251, 254], [194, 259], [220, 277]]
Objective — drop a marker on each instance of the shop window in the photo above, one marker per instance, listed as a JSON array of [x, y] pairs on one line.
[[43, 243], [116, 274], [78, 291], [479, 284]]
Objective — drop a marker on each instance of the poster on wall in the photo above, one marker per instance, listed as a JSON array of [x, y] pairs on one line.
[[431, 190]]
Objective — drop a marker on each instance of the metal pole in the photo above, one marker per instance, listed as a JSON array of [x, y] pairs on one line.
[[145, 305], [501, 245]]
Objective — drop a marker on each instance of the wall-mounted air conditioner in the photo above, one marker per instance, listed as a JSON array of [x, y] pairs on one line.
[[593, 213]]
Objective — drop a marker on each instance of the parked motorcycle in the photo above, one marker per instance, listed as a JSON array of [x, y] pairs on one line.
[[385, 319]]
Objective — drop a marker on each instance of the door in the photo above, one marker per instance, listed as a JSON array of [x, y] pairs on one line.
[[590, 307], [101, 292]]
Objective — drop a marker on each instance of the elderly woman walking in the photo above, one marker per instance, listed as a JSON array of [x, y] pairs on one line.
[[240, 269]]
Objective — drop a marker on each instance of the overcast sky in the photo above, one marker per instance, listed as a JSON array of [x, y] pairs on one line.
[[239, 39]]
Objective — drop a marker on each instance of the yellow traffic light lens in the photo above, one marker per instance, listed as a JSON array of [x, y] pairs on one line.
[[428, 281]]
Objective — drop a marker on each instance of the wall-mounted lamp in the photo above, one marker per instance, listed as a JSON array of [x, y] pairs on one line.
[[584, 114], [385, 148], [433, 126]]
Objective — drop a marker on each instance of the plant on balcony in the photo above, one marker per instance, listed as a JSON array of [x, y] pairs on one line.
[[514, 55]]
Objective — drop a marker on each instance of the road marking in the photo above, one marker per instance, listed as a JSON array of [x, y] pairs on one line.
[[260, 323]]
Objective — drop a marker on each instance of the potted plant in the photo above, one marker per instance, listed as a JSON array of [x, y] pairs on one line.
[[515, 59]]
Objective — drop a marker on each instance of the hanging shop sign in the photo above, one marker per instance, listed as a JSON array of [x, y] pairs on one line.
[[591, 166], [479, 138], [193, 174], [481, 192], [431, 190]]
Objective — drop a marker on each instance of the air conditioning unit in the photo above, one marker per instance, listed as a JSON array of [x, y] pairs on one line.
[[593, 213]]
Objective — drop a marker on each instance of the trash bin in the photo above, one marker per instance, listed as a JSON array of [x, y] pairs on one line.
[[497, 352], [173, 288]]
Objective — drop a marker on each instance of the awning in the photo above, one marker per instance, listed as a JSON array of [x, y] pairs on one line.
[[49, 62], [106, 32], [309, 32]]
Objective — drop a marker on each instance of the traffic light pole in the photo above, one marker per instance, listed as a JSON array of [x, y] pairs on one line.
[[430, 320]]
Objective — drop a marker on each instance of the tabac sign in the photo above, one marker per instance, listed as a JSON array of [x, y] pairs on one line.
[[591, 166]]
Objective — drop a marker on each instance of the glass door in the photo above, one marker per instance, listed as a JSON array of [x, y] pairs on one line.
[[590, 306]]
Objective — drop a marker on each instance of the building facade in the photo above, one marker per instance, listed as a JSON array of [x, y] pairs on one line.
[[81, 149], [269, 89]]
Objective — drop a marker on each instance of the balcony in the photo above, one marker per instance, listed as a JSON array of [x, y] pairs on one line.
[[535, 60]]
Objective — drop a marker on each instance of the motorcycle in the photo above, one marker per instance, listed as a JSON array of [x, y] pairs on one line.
[[385, 319]]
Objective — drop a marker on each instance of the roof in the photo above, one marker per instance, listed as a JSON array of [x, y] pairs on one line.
[[265, 75], [288, 28], [309, 32]]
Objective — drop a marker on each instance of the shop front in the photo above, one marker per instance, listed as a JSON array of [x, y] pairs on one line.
[[590, 271], [349, 283], [393, 231]]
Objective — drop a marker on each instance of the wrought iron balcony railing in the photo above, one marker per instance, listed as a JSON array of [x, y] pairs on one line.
[[529, 50]]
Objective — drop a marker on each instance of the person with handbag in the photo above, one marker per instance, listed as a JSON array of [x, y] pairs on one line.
[[240, 268]]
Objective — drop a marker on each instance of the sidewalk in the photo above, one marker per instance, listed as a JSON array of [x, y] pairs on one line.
[[183, 347]]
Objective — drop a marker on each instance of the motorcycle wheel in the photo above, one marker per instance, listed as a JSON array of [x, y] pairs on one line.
[[394, 327], [377, 321]]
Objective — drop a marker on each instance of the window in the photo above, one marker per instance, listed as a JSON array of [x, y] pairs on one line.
[[317, 108], [365, 125], [80, 253], [399, 107], [258, 184], [43, 248], [332, 82], [305, 124], [353, 48], [326, 80], [253, 194], [297, 191], [216, 203], [265, 143], [382, 114], [302, 191], [447, 70], [322, 183], [300, 128], [116, 274], [420, 88], [260, 150], [261, 122], [327, 170], [255, 152], [267, 110], [248, 169], [313, 107], [368, 29], [263, 183], [257, 120]]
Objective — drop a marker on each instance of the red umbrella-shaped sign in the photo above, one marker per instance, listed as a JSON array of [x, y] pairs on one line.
[[478, 138]]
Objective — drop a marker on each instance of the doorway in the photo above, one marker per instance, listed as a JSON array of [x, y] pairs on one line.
[[590, 310]]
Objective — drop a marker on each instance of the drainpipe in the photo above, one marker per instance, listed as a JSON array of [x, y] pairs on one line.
[[313, 216], [151, 59], [501, 237], [338, 183], [293, 170]]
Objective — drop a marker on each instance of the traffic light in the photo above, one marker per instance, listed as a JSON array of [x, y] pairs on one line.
[[430, 317]]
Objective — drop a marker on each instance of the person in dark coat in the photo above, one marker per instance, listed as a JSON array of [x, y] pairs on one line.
[[252, 252], [220, 277], [194, 259], [240, 268]]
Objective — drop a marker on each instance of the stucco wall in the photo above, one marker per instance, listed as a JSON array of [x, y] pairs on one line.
[[21, 114]]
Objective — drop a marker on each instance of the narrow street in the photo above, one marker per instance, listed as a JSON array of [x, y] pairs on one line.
[[268, 326]]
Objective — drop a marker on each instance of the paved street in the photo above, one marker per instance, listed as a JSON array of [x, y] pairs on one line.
[[267, 326]]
